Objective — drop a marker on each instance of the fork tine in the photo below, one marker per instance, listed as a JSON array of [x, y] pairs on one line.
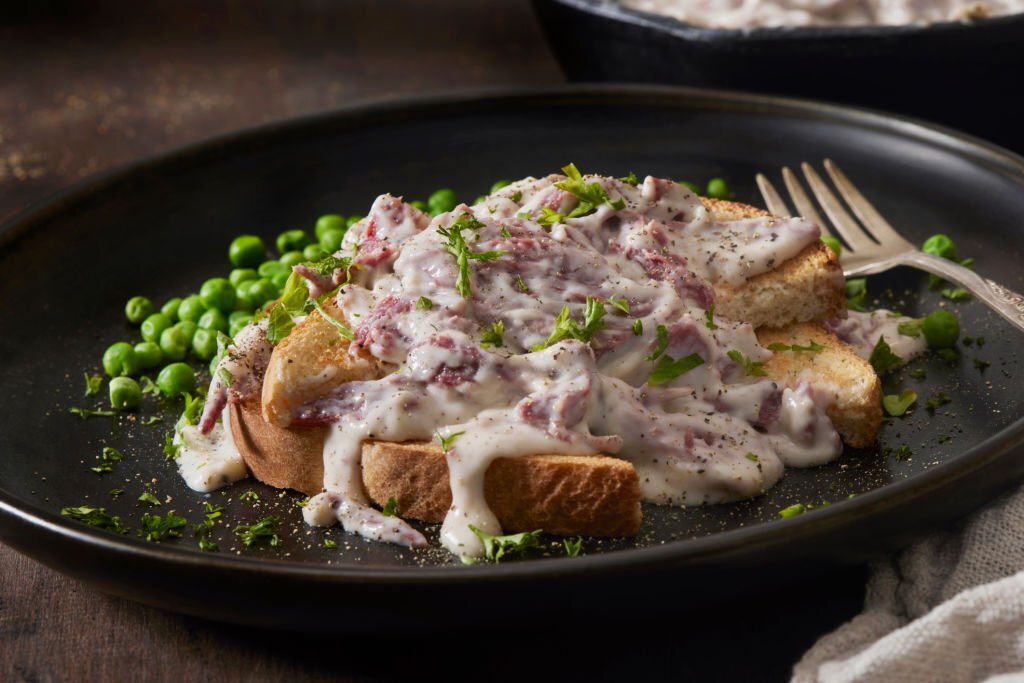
[[775, 203], [845, 224], [872, 220], [804, 205]]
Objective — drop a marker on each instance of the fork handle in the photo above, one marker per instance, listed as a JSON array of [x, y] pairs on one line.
[[1003, 301]]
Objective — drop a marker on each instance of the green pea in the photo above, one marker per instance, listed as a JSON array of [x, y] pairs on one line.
[[692, 187], [213, 320], [718, 189], [246, 251], [148, 354], [261, 291], [176, 379], [941, 329], [940, 245], [176, 340], [480, 200], [218, 293], [292, 258], [500, 184], [235, 325], [119, 359], [331, 221], [191, 308], [330, 241], [170, 309], [124, 393], [154, 325], [352, 220], [138, 309], [314, 252], [270, 268], [244, 302], [204, 344], [292, 240], [240, 275], [422, 206], [442, 201], [279, 279], [833, 244]]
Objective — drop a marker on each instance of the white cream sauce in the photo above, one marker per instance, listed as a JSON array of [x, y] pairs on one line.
[[712, 434], [209, 461], [746, 14], [863, 330]]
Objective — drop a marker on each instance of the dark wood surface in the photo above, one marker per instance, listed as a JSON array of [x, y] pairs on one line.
[[87, 86]]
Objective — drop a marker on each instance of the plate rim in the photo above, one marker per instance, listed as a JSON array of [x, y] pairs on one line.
[[685, 552]]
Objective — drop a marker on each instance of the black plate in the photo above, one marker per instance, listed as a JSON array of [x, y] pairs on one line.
[[162, 226], [959, 74]]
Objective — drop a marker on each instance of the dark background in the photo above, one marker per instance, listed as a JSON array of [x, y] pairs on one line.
[[88, 86]]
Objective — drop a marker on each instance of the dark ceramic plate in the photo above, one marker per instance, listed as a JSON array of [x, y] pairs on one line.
[[162, 226], [959, 74]]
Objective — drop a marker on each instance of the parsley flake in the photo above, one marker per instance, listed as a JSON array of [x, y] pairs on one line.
[[457, 247], [521, 285], [751, 367], [638, 327], [910, 328], [630, 179], [260, 533], [150, 421], [424, 304], [668, 369], [709, 318], [573, 546], [620, 304], [590, 195], [752, 457], [447, 441], [92, 384], [856, 293], [897, 405], [108, 458], [497, 548], [94, 516], [882, 358], [147, 498], [330, 544], [957, 294], [157, 529], [937, 401], [793, 511], [390, 508], [569, 328], [85, 414], [337, 324], [249, 496], [504, 232], [812, 347], [662, 333], [493, 336]]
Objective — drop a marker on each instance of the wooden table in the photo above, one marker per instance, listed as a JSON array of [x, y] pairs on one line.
[[87, 86]]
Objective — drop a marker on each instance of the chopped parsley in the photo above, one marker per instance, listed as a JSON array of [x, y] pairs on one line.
[[201, 532], [497, 548], [956, 294], [108, 458], [573, 546], [94, 516], [520, 284], [590, 195], [156, 529], [910, 328], [902, 453], [457, 247], [569, 328], [709, 318], [793, 510], [668, 369], [328, 264], [621, 304], [550, 217], [856, 293], [302, 502], [812, 347], [517, 196], [503, 231], [937, 401], [150, 421], [424, 304], [981, 364], [882, 358], [918, 373], [92, 384], [943, 438], [171, 450], [447, 441], [638, 327], [147, 498], [85, 413], [752, 457], [249, 496], [897, 405], [114, 493], [279, 324], [662, 333], [753, 368], [260, 533], [330, 544], [951, 356], [630, 179], [493, 336], [149, 386], [390, 508]]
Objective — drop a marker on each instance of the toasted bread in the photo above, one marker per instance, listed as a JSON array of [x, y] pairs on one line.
[[591, 495]]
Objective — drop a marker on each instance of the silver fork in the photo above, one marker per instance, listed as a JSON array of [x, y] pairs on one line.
[[873, 246]]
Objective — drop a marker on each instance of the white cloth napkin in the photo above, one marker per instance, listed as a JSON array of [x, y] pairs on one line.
[[949, 608]]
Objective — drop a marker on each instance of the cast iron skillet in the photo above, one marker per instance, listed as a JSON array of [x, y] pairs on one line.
[[161, 226], [964, 75]]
